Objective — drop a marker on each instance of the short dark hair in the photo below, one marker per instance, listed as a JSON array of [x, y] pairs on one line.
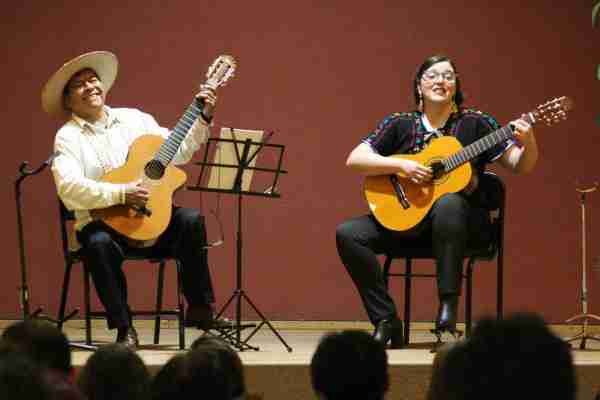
[[229, 360], [350, 365], [114, 372], [208, 368], [459, 98], [502, 357], [41, 341], [22, 378]]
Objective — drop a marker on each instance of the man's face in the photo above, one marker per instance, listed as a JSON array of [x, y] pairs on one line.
[[85, 94]]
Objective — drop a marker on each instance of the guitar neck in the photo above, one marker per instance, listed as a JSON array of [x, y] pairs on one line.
[[478, 147], [169, 148]]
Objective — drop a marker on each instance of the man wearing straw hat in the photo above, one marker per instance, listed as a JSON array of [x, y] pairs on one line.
[[95, 139]]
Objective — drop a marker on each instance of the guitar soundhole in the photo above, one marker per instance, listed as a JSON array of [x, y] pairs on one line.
[[154, 170], [438, 169]]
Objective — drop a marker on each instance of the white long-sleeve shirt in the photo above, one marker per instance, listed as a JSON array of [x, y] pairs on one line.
[[85, 152]]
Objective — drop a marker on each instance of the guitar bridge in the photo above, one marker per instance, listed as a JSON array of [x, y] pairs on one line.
[[399, 190]]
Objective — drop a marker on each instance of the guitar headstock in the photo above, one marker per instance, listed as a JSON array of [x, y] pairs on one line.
[[553, 111], [221, 70]]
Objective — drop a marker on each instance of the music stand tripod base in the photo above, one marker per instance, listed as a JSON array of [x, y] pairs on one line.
[[583, 335]]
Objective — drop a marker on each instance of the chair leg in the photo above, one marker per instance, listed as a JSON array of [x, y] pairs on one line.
[[407, 296], [469, 297], [86, 297], [64, 294], [180, 307], [386, 271], [159, 299], [500, 283]]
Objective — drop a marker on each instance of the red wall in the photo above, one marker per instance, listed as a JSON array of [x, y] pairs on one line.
[[321, 73]]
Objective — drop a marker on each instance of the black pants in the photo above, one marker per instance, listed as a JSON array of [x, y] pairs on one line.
[[451, 224], [184, 239]]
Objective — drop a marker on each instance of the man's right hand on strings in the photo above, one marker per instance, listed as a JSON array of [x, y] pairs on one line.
[[136, 194]]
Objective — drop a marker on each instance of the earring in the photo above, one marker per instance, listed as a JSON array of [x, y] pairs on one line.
[[454, 107], [420, 106]]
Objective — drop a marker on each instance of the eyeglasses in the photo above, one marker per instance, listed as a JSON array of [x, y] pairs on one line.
[[431, 76], [79, 84]]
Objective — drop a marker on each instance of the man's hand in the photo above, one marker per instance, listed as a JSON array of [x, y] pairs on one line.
[[136, 195], [208, 96]]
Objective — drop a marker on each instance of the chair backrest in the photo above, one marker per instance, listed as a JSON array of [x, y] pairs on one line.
[[494, 199], [70, 245]]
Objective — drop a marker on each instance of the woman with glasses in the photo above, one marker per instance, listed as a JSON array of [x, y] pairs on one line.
[[453, 218]]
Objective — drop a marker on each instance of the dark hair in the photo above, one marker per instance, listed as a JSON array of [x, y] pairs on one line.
[[114, 372], [516, 355], [39, 340], [209, 368], [458, 97], [437, 385], [21, 378], [229, 361], [350, 365]]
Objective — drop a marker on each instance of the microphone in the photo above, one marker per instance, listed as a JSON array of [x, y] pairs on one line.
[[51, 158]]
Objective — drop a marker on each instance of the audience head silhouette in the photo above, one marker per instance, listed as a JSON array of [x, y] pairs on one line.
[[518, 355], [350, 365], [41, 341], [22, 378], [115, 372], [211, 368]]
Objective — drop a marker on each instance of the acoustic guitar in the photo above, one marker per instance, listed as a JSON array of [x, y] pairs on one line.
[[149, 159], [399, 204]]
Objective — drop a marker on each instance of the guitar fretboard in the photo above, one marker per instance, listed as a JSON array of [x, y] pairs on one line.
[[476, 148], [169, 148]]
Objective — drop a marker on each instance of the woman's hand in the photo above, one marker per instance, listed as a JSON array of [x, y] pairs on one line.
[[416, 172], [523, 131]]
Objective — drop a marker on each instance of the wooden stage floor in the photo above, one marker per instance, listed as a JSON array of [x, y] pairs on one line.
[[276, 373]]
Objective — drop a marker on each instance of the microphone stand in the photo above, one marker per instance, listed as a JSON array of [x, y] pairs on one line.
[[24, 172]]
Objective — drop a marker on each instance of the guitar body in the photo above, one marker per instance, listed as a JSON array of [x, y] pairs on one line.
[[383, 201], [124, 219]]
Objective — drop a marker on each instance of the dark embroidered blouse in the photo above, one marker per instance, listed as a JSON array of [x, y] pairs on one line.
[[404, 133]]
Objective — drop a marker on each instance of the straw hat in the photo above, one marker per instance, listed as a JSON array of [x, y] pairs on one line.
[[104, 63]]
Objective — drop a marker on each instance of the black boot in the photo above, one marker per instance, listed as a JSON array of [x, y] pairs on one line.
[[447, 311], [128, 337], [390, 330]]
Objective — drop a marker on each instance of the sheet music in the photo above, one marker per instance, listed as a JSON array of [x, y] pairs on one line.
[[225, 153]]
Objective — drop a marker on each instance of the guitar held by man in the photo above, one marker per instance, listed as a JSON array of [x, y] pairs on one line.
[[148, 171]]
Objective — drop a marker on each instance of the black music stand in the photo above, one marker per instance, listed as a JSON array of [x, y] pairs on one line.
[[243, 165], [24, 172]]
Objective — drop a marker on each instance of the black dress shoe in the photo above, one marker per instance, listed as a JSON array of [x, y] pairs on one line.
[[447, 311], [202, 317], [390, 330], [128, 337]]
